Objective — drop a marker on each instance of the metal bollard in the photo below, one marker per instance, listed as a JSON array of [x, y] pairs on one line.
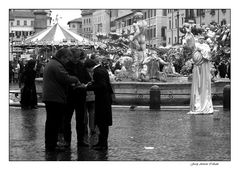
[[155, 98], [226, 97]]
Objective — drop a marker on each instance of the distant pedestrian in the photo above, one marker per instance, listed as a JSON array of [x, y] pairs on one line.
[[103, 101], [28, 92], [222, 68], [76, 98], [11, 72], [20, 68], [55, 84], [229, 70]]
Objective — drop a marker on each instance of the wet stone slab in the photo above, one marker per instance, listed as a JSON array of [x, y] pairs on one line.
[[135, 136]]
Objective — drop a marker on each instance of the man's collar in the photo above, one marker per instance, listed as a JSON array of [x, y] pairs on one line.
[[96, 66]]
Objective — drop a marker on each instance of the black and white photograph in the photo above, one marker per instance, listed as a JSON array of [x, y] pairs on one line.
[[130, 84]]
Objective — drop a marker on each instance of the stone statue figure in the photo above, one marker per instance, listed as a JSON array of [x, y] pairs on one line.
[[138, 44]]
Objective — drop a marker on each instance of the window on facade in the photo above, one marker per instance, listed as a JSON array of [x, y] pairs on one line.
[[198, 12], [155, 12], [175, 39], [148, 34], [129, 22], [151, 33], [223, 22], [73, 26], [164, 12], [18, 23], [32, 23], [149, 13], [169, 40], [212, 12], [223, 11], [18, 34], [175, 23], [182, 20], [11, 24], [25, 22], [25, 33], [169, 24], [154, 31], [163, 32], [191, 13]]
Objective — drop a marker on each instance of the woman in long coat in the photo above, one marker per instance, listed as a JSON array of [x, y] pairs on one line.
[[28, 92], [103, 101]]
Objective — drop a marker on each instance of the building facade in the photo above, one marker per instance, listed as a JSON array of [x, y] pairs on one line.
[[76, 26], [87, 23], [177, 17], [157, 26], [114, 14], [24, 23], [101, 23], [156, 29], [175, 20]]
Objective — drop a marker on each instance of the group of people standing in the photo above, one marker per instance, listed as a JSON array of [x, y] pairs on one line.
[[73, 83]]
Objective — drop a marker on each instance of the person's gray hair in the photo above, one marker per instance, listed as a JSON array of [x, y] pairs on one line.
[[63, 53]]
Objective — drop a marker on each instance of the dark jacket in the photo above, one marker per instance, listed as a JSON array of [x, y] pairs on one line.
[[56, 81], [28, 92], [103, 96], [81, 73]]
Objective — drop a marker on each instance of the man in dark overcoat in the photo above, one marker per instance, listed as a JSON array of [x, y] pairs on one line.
[[76, 98], [103, 100]]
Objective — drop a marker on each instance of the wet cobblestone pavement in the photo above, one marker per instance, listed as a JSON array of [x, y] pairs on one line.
[[139, 135]]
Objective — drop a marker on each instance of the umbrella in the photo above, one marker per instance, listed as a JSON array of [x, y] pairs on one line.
[[57, 35]]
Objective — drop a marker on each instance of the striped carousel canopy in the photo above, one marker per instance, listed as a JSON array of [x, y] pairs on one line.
[[57, 35]]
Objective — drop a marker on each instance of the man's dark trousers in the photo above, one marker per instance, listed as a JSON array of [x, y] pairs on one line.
[[55, 113], [103, 135], [76, 101]]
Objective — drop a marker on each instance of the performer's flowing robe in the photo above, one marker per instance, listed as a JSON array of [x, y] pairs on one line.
[[201, 100]]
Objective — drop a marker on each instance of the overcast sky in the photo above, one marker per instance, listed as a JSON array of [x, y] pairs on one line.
[[64, 16]]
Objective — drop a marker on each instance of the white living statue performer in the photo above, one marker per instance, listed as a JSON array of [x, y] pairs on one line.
[[138, 43], [201, 99]]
